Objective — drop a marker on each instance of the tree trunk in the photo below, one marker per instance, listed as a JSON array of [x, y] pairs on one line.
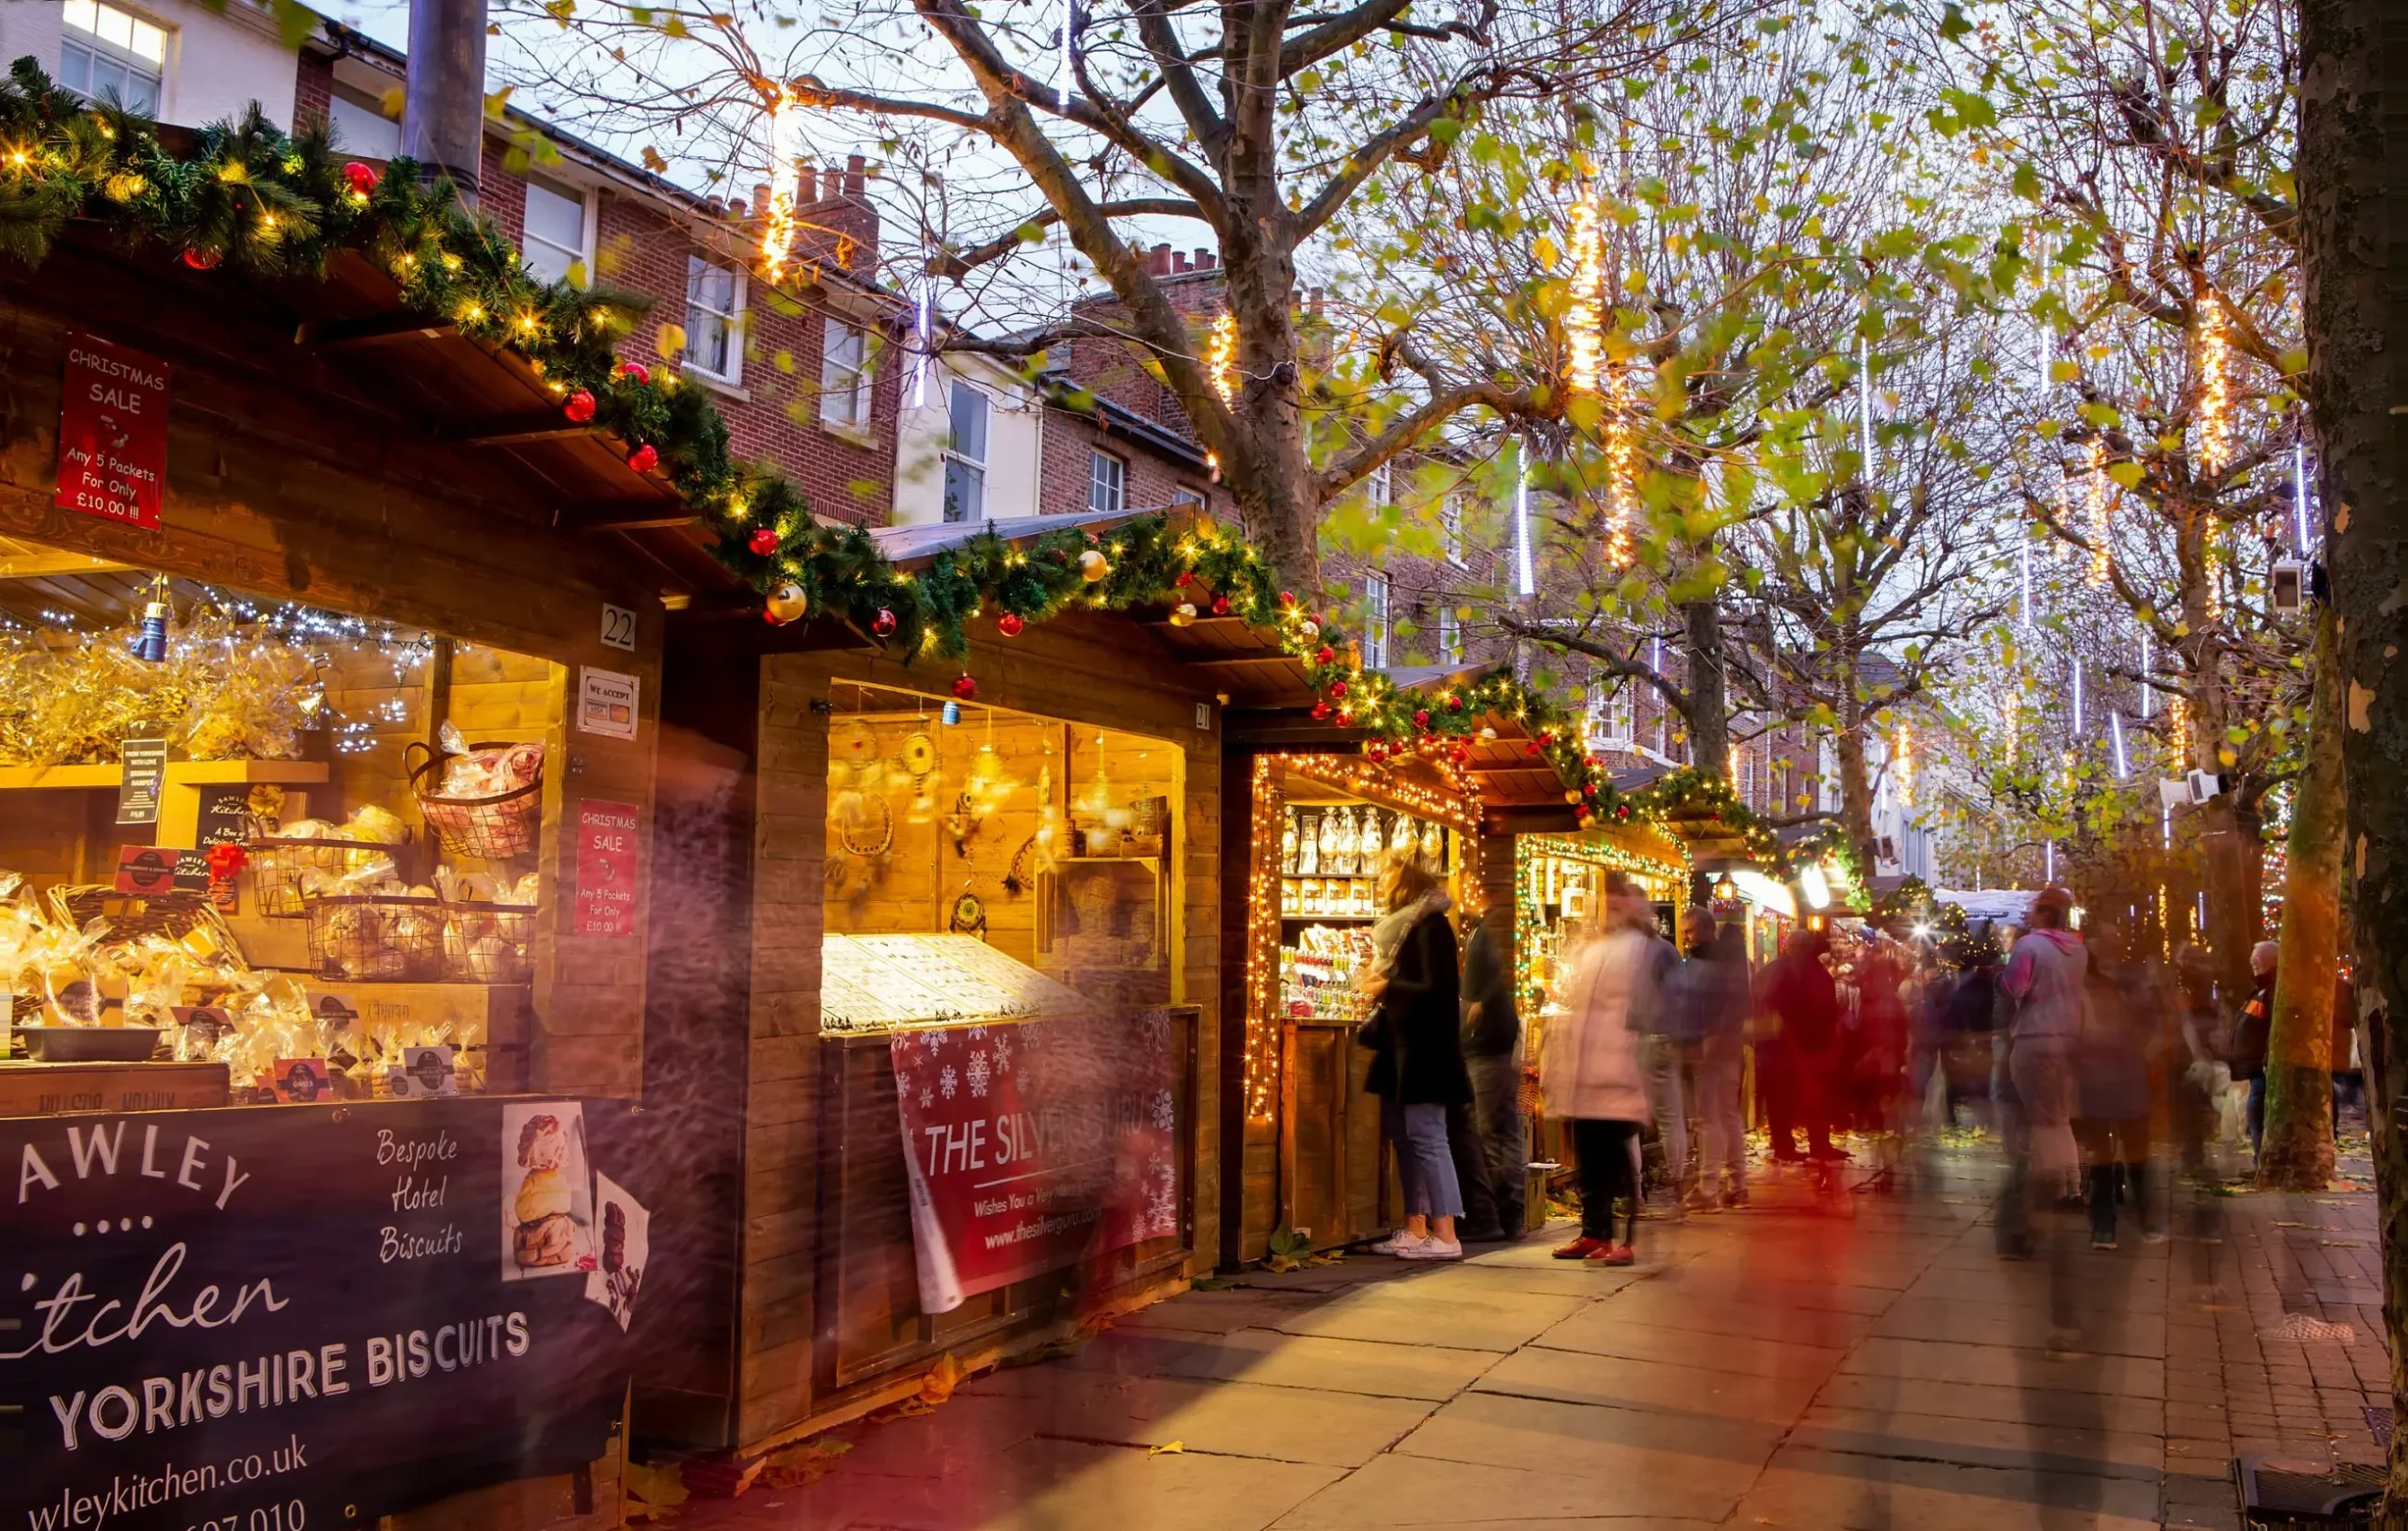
[[1709, 709], [2298, 1154], [1856, 782], [2353, 200], [1264, 462]]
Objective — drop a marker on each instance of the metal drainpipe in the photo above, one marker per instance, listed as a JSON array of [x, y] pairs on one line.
[[443, 107]]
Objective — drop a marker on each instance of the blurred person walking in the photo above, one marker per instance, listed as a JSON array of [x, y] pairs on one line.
[[1415, 1033], [2111, 1087], [2203, 1060], [1799, 991], [2045, 976], [1492, 1043], [2250, 1032], [1589, 1067], [1709, 988]]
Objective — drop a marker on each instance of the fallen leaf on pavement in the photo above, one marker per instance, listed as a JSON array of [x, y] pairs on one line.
[[1168, 1446]]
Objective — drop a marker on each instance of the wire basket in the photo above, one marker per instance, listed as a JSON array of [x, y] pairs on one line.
[[495, 828], [489, 943], [375, 937], [281, 867]]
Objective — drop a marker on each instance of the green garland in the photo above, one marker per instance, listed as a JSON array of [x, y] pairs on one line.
[[277, 205]]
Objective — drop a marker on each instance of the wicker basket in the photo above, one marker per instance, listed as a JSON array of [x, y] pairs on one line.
[[375, 937], [495, 828], [489, 943], [132, 916], [280, 866]]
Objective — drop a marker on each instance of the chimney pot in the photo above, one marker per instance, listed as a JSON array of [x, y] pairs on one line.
[[856, 175], [761, 198], [1179, 262], [1206, 260], [1159, 261]]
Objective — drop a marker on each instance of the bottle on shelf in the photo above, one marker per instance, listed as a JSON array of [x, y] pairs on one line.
[[1288, 844]]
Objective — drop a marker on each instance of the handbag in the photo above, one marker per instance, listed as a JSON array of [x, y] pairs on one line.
[[1373, 1030]]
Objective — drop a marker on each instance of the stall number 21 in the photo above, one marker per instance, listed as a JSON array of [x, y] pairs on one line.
[[618, 627]]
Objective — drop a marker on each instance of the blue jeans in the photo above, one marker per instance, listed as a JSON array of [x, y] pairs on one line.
[[1661, 1058], [1425, 1165], [2257, 1114]]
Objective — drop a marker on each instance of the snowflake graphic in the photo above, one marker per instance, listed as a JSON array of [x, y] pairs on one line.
[[1162, 1209], [902, 1082], [947, 1081], [928, 1098], [1165, 1113], [977, 1033], [1002, 1054], [978, 1074], [934, 1041]]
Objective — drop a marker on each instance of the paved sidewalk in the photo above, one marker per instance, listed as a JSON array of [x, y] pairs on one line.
[[1869, 1364]]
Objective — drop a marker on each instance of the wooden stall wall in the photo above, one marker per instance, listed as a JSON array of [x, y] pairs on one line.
[[1096, 672], [288, 479]]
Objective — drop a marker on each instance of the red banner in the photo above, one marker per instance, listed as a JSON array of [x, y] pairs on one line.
[[605, 868], [1034, 1145], [113, 432]]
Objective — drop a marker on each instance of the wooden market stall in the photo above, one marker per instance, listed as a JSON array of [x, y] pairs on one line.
[[264, 547]]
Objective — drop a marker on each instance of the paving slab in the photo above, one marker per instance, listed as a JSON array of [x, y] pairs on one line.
[[1820, 1490], [1275, 1359], [2122, 1377], [1569, 1377], [1982, 1443], [2116, 1332], [1603, 1330], [1667, 1307], [1406, 1490], [1247, 1419], [1401, 1314], [1670, 1447], [1717, 1284], [1221, 1312], [1556, 1278], [1907, 1398]]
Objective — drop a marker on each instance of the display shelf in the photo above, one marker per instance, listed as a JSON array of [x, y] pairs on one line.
[[1285, 918], [180, 773], [1148, 863]]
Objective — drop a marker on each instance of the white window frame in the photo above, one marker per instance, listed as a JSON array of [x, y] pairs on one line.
[[1187, 494], [1450, 528], [1113, 484], [387, 141], [975, 468], [732, 319], [581, 258], [1376, 608], [1379, 486], [845, 397], [1451, 635], [123, 56]]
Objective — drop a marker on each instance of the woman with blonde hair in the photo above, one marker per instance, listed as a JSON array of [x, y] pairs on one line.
[[1417, 1068], [1589, 1071]]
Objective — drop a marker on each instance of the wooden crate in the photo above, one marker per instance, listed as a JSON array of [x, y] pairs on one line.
[[31, 1089]]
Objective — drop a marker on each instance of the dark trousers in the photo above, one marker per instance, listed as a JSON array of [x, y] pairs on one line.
[[1464, 1144], [1607, 1153], [2118, 1156], [1497, 1118], [1795, 1084]]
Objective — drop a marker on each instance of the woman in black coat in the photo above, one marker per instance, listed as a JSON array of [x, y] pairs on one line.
[[1417, 1068]]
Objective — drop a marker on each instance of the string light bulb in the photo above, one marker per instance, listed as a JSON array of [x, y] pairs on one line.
[[1221, 357], [2215, 388], [785, 174], [2098, 501], [1584, 319]]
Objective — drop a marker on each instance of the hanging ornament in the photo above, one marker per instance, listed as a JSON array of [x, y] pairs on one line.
[[644, 459], [633, 372], [1011, 624], [1287, 597], [1338, 688], [1459, 754], [1221, 606], [1488, 735], [1311, 630], [1325, 656], [360, 178], [578, 408], [1421, 718], [1182, 614], [787, 604], [883, 623], [965, 686], [1345, 718], [151, 642], [763, 542], [201, 260], [1092, 567], [1454, 704], [1321, 711], [1185, 578]]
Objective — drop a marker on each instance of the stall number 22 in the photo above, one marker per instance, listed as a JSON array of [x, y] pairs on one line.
[[618, 627]]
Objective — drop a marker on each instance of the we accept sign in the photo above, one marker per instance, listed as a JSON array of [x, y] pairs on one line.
[[280, 1318]]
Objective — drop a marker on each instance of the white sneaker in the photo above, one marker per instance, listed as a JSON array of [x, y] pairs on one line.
[[1433, 1248], [1393, 1242]]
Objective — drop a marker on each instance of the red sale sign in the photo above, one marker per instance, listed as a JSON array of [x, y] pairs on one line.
[[605, 868], [1035, 1145], [113, 432]]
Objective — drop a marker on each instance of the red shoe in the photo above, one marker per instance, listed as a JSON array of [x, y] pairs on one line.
[[1582, 1248], [1614, 1255]]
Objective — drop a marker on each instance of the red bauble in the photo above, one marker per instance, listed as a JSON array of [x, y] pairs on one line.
[[1184, 580], [763, 542], [1458, 755], [1338, 688], [1345, 720], [1009, 623], [1622, 812], [965, 686], [1421, 718], [1588, 789], [883, 623], [633, 371], [1327, 656], [1287, 598], [1220, 606], [359, 178], [1321, 711], [1454, 704], [201, 260], [644, 459], [579, 406], [1531, 748]]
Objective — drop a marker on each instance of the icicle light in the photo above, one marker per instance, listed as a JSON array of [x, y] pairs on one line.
[[1904, 751], [785, 172], [1622, 463], [1221, 357], [2215, 389], [2098, 499], [1525, 576], [1584, 320]]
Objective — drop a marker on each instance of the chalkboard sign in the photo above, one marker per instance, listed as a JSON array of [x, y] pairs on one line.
[[303, 1318]]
